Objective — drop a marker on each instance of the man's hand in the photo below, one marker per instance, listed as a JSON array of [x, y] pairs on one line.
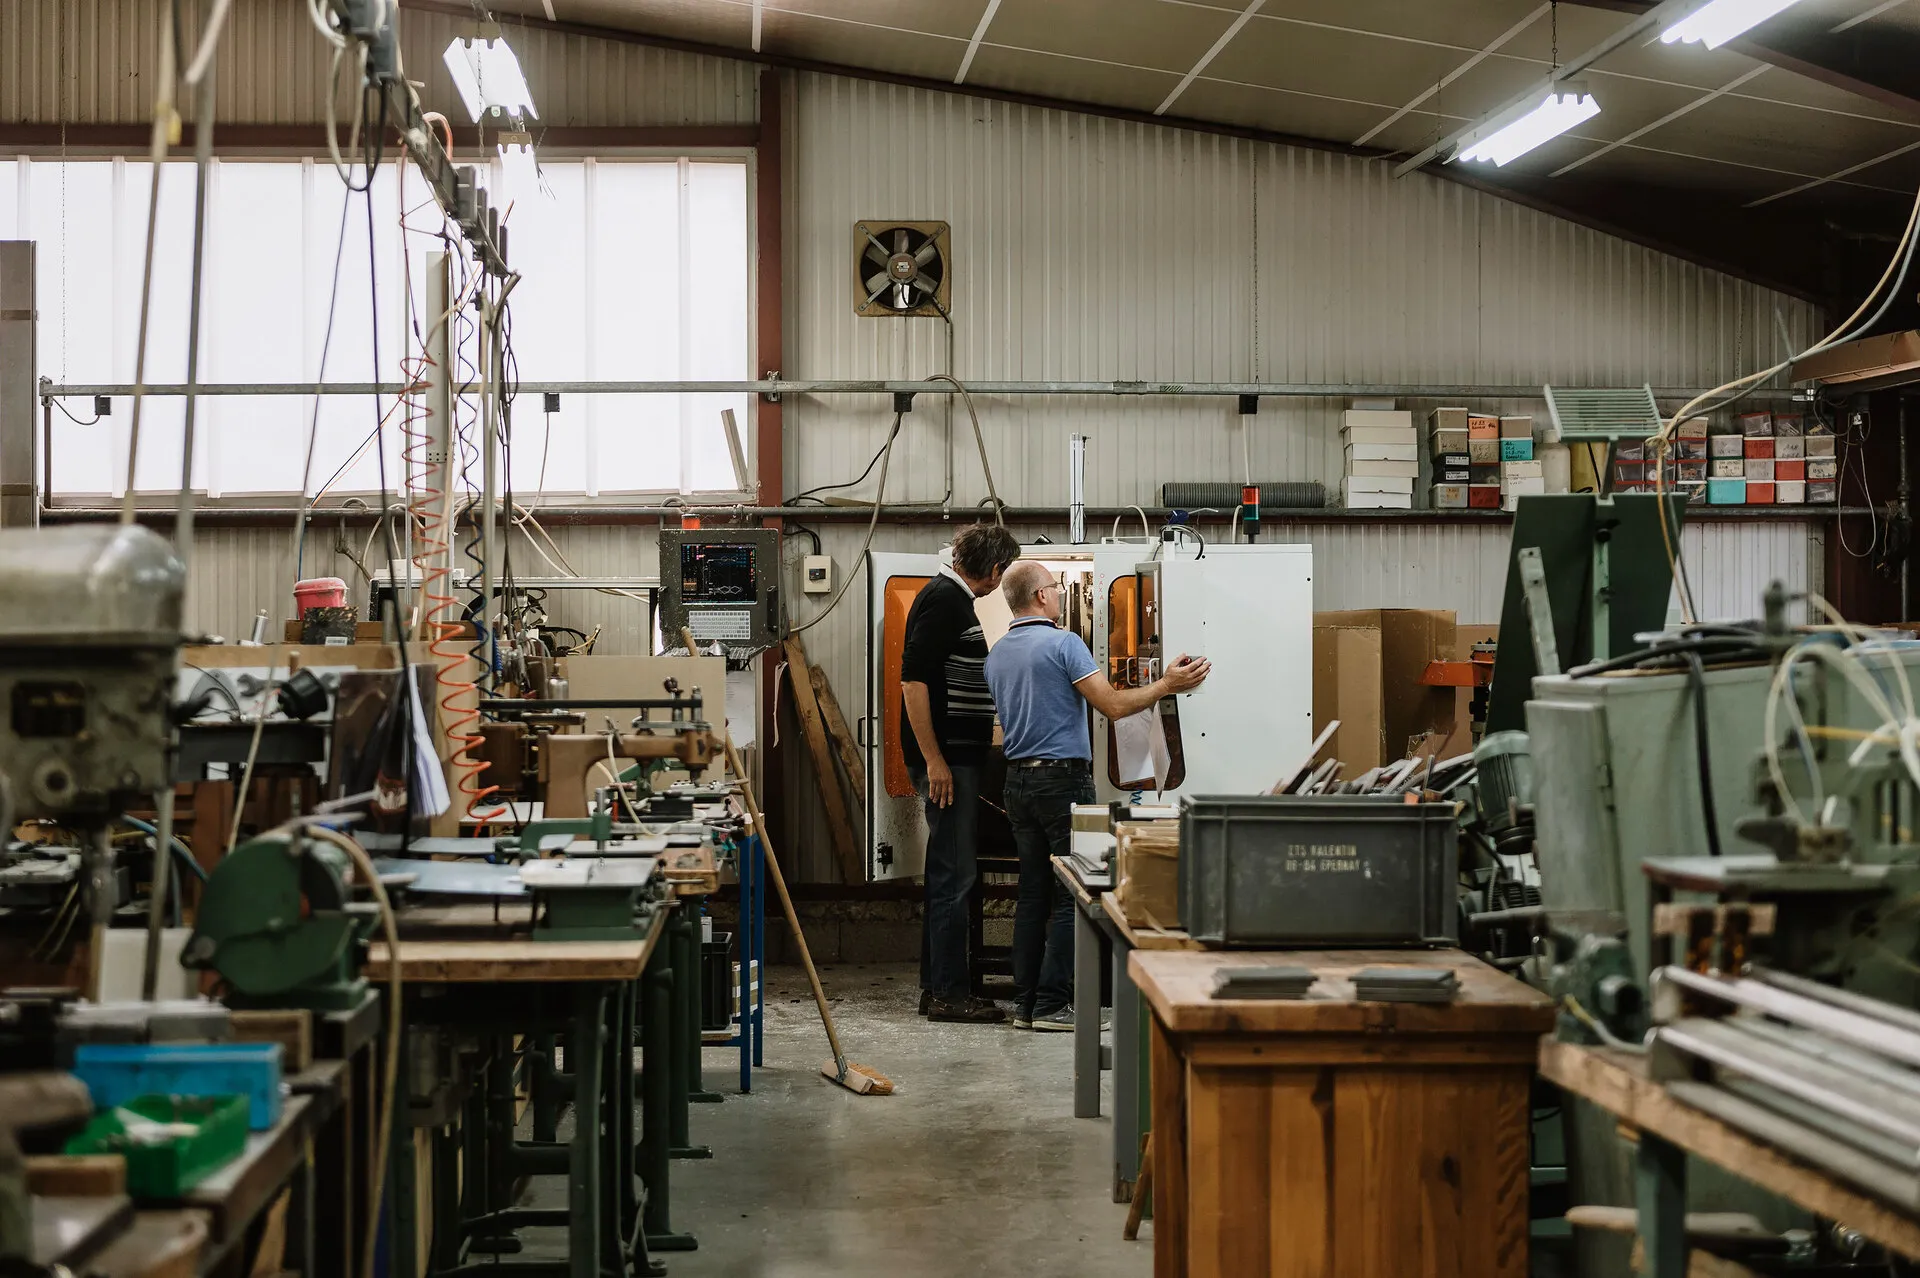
[[939, 783], [1187, 673]]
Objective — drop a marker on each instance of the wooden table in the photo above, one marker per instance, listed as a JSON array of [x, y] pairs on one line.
[[1324, 1136], [1669, 1130], [466, 967]]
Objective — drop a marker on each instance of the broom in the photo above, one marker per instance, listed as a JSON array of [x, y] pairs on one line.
[[854, 1077]]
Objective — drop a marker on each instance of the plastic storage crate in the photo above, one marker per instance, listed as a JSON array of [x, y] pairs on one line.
[[1318, 870], [167, 1166], [116, 1073]]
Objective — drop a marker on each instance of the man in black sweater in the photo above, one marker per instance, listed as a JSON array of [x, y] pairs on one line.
[[945, 733]]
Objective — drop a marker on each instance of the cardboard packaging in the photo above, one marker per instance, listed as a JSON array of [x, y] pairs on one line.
[[1380, 501], [1755, 424], [1516, 428], [1726, 492], [1789, 492], [1379, 484], [1727, 468], [1146, 878], [1759, 470], [1366, 673], [1760, 494], [1517, 470], [1450, 441], [1755, 447], [1510, 496], [1376, 419], [1820, 445], [1384, 469], [1449, 496], [1789, 446], [1451, 458], [1483, 496], [1448, 419], [1789, 471], [1483, 450], [1513, 450], [1380, 435], [1453, 475], [1383, 452], [1483, 427], [1726, 446], [1823, 468]]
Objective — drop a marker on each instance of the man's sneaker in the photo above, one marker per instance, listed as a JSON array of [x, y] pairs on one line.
[[1056, 1022], [926, 1001], [968, 1011], [1022, 1019]]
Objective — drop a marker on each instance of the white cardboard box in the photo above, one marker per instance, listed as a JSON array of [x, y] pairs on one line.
[[1383, 452], [1375, 418], [1393, 435], [1384, 469], [1379, 484], [1510, 494], [1379, 501], [1514, 471]]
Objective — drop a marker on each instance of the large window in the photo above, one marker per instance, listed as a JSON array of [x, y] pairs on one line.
[[633, 270]]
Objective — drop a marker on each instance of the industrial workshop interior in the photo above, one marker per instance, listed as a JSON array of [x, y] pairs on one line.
[[948, 638]]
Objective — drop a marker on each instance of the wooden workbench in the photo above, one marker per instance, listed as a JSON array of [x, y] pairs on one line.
[[1617, 1082], [449, 945], [1324, 1136]]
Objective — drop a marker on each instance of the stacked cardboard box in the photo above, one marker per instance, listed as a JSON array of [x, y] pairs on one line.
[[1383, 458], [1452, 464], [1521, 473], [1756, 437]]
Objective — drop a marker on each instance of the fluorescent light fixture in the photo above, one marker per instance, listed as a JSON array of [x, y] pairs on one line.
[[519, 169], [488, 77], [1718, 21], [1509, 137]]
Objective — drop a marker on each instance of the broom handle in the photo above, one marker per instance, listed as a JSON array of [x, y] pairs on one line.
[[779, 881]]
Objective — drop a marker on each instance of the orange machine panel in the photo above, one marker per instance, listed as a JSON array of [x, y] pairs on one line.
[[899, 596]]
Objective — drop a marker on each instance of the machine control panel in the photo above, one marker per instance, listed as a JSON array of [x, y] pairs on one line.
[[722, 584]]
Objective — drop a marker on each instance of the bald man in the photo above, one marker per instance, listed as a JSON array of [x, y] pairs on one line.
[[1043, 679]]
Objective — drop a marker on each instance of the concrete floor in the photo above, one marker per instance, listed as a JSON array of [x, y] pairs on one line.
[[974, 1166]]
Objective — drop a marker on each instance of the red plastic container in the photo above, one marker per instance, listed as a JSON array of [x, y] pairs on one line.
[[319, 592]]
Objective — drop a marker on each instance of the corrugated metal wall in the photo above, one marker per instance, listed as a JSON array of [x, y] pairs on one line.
[[1082, 248], [84, 62]]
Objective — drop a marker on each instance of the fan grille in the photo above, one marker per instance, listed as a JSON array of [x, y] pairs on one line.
[[1603, 412]]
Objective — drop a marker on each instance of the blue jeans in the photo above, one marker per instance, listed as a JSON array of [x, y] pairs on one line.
[[1040, 807], [952, 860]]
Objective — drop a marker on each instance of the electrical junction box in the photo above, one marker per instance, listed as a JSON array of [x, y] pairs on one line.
[[816, 574], [723, 584]]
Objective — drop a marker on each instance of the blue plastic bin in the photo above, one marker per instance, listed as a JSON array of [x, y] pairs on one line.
[[118, 1072], [1727, 492]]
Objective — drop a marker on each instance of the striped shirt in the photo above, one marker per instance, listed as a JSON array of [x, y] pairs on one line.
[[947, 651]]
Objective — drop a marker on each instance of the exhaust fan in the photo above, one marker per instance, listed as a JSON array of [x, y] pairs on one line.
[[900, 268]]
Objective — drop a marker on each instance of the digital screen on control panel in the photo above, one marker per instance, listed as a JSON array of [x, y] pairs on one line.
[[717, 573]]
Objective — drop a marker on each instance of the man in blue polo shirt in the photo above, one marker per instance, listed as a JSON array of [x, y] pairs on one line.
[[1043, 679]]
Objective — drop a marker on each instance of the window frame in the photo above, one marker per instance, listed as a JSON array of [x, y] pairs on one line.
[[639, 500]]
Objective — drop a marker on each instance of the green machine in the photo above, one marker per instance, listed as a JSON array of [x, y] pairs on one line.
[[277, 922]]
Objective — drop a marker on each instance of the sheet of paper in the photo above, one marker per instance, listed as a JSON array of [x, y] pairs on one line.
[[429, 778], [1141, 740]]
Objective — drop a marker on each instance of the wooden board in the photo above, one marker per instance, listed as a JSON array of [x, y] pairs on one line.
[[76, 1175], [690, 871], [843, 743], [233, 656], [1145, 938], [1617, 1082], [1063, 870], [293, 1030], [1179, 987], [465, 962], [839, 827], [158, 1244]]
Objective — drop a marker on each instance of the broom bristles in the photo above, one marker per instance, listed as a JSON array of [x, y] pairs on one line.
[[861, 1079]]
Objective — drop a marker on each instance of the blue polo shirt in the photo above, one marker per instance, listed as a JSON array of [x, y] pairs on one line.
[[1032, 671]]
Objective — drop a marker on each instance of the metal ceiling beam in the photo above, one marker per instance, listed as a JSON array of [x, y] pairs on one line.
[[1538, 12], [1226, 38], [1877, 62]]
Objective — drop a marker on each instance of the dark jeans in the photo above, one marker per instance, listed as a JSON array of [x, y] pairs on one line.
[[1040, 806], [952, 858]]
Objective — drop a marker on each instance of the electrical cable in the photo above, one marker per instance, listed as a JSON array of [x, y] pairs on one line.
[[320, 375], [209, 38], [980, 442], [1901, 260], [179, 849], [253, 751], [1703, 754], [166, 120], [383, 1139], [879, 500]]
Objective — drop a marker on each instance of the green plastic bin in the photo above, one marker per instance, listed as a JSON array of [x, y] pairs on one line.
[[169, 1166]]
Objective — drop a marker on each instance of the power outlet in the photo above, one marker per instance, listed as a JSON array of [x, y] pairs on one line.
[[816, 574]]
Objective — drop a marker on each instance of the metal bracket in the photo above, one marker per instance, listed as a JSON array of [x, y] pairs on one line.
[[1533, 583], [770, 397]]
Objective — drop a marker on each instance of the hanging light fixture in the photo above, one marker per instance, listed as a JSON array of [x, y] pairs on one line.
[[488, 76], [519, 167], [1718, 21], [1511, 135]]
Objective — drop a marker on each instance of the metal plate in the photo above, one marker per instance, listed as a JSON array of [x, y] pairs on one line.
[[587, 873], [455, 878]]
